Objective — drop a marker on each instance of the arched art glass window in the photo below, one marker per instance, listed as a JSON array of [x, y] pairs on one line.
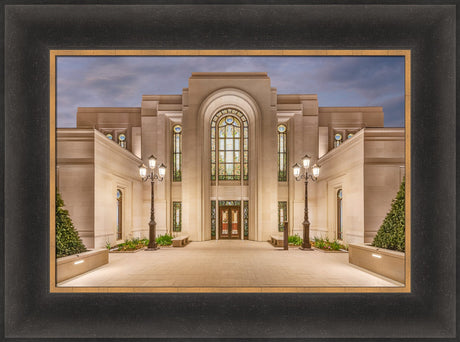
[[339, 215], [282, 153], [119, 214], [337, 139], [229, 145], [350, 135], [177, 153], [122, 140], [109, 136]]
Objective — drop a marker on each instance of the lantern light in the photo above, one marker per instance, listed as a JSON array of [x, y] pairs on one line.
[[152, 162], [142, 170], [296, 169], [315, 170], [306, 161], [162, 170]]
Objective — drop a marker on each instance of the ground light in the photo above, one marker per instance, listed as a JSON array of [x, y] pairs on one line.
[[314, 177], [152, 176]]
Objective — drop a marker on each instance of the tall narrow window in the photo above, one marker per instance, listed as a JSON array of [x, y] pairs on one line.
[[177, 153], [177, 216], [339, 215], [119, 214], [213, 220], [282, 215], [246, 219], [122, 140], [282, 153], [229, 145], [337, 139]]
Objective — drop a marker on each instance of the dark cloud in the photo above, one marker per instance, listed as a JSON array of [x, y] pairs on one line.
[[338, 81]]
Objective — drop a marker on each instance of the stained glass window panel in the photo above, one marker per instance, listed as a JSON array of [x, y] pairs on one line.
[[228, 144], [177, 153], [177, 216], [282, 153], [229, 169], [282, 215], [213, 219], [246, 219], [229, 131], [221, 157]]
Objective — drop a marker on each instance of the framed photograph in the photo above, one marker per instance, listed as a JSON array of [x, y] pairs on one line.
[[216, 102], [214, 138]]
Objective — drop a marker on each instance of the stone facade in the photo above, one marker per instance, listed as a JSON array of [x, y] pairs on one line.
[[368, 164]]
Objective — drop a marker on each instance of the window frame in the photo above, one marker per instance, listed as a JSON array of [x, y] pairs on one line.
[[220, 116], [282, 153], [177, 172]]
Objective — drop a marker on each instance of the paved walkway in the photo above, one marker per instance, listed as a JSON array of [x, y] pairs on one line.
[[228, 263]]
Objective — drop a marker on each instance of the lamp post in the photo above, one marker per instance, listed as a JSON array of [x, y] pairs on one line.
[[152, 176], [306, 175]]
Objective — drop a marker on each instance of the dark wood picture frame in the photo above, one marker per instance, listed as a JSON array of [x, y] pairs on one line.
[[31, 30]]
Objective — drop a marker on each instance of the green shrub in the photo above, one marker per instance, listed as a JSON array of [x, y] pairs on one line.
[[335, 245], [295, 240], [326, 244], [68, 241], [132, 245], [164, 240], [391, 234]]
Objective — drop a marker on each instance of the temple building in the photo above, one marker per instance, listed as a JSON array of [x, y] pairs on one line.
[[229, 142]]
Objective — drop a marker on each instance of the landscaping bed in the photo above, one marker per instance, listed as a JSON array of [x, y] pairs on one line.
[[324, 245], [136, 245]]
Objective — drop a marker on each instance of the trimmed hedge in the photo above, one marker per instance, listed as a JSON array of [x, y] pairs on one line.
[[68, 241], [391, 234]]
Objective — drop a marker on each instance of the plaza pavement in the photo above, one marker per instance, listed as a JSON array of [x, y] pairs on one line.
[[228, 263]]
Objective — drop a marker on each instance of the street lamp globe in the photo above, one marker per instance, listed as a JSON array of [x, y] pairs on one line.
[[306, 161], [142, 170], [296, 169], [162, 170], [152, 162], [315, 170]]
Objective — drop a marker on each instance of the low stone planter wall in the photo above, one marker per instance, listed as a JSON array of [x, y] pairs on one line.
[[73, 265], [388, 263]]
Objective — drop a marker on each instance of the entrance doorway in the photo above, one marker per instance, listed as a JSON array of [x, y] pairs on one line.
[[229, 222]]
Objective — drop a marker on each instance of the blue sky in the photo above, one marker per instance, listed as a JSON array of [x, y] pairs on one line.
[[338, 81]]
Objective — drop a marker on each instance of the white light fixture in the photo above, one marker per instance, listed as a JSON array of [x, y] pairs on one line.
[[79, 262], [142, 170], [162, 170], [306, 161], [152, 162], [377, 256], [315, 170], [296, 169]]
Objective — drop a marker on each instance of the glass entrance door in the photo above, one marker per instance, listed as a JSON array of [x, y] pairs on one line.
[[229, 222]]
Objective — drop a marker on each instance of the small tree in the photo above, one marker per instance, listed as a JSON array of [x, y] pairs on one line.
[[391, 234], [68, 241]]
